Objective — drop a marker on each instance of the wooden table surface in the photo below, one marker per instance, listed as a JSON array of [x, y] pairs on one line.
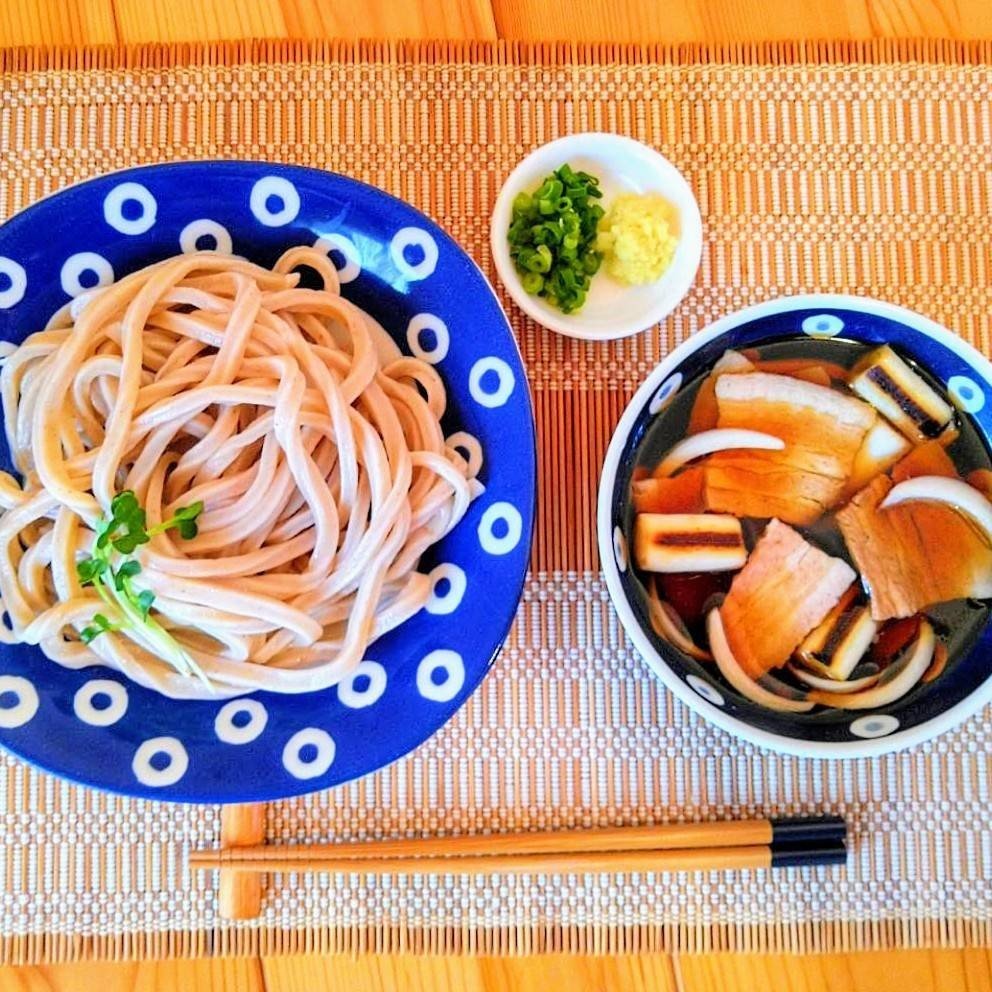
[[50, 22]]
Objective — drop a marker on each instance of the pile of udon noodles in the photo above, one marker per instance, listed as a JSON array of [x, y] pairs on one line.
[[314, 445]]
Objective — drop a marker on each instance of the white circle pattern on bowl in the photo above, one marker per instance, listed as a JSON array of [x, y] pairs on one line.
[[620, 549], [18, 280], [113, 208], [171, 772], [190, 235], [875, 725], [665, 394], [85, 261], [274, 187], [442, 339], [370, 672], [965, 393], [706, 690], [823, 325], [451, 665], [83, 703], [341, 244], [310, 738], [26, 704], [242, 732]]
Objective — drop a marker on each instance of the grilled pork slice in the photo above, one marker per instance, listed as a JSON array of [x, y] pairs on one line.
[[914, 555], [784, 591], [900, 394], [823, 431], [688, 542], [704, 410]]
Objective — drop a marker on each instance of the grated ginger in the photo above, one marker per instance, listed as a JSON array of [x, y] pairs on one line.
[[638, 237]]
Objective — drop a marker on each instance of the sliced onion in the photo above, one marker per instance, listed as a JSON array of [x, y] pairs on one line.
[[669, 627], [738, 678], [832, 685], [709, 442], [937, 489], [893, 683]]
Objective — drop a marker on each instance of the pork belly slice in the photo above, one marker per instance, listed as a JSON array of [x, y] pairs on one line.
[[823, 431], [785, 590], [913, 555]]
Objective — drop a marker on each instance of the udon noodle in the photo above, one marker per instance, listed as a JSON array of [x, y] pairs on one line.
[[314, 445]]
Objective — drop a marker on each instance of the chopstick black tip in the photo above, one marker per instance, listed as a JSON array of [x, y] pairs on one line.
[[808, 830], [799, 856]]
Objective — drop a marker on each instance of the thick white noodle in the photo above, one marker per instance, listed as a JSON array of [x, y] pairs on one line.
[[316, 448]]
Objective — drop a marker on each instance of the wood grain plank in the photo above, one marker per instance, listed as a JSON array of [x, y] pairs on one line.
[[199, 20], [740, 20], [57, 22], [451, 20], [410, 973], [872, 971], [201, 975]]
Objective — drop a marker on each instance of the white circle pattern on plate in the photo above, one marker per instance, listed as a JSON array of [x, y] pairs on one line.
[[341, 244], [442, 340], [442, 660], [876, 725], [457, 584], [822, 325], [413, 237], [113, 208], [620, 549], [502, 392], [240, 733], [205, 228], [84, 708], [280, 189], [147, 774], [965, 393], [705, 690], [354, 698], [85, 261], [323, 747], [25, 707], [467, 445], [18, 278], [508, 514], [665, 394]]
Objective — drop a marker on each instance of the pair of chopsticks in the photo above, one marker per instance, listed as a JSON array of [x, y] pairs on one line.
[[774, 843]]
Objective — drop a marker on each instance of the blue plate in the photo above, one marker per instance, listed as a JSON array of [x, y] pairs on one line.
[[965, 685], [96, 727]]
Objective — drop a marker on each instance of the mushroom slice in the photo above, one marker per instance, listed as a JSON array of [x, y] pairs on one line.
[[739, 679]]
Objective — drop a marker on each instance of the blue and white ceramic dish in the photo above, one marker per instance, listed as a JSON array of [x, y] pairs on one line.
[[962, 689], [94, 726]]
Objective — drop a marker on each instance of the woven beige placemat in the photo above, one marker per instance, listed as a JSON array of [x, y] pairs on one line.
[[855, 168]]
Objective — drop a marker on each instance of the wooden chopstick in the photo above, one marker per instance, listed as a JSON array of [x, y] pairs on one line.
[[692, 845], [570, 862]]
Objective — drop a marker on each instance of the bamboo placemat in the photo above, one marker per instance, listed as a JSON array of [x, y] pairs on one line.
[[862, 168]]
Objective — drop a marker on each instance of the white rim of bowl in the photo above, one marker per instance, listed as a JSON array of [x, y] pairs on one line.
[[925, 731], [561, 323]]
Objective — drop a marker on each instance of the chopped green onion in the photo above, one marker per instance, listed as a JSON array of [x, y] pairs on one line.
[[552, 237]]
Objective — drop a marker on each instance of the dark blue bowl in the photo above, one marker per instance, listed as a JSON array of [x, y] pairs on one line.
[[416, 281], [963, 688]]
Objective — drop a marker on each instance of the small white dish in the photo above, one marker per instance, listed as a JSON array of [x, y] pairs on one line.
[[623, 165]]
